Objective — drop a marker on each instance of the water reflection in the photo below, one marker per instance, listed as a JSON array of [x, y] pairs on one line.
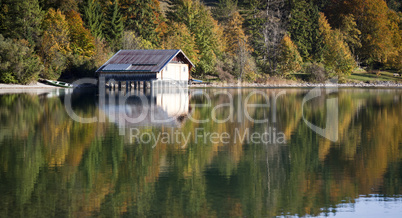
[[160, 107], [51, 165]]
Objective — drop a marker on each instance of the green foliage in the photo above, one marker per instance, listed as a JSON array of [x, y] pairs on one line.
[[367, 28], [21, 19], [350, 32], [303, 29], [93, 17], [18, 62], [132, 41], [179, 37], [145, 18], [225, 9], [337, 56], [395, 5], [207, 33], [114, 27]]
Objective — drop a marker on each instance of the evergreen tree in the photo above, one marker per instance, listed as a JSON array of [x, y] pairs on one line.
[[206, 31], [114, 25], [303, 29], [21, 19], [145, 18], [225, 9], [93, 17]]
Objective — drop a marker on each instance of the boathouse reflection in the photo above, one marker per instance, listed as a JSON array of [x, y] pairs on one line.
[[155, 107]]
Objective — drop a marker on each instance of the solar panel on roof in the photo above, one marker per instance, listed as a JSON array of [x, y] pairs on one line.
[[113, 67]]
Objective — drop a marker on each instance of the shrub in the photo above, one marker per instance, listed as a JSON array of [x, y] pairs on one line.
[[316, 73], [18, 62]]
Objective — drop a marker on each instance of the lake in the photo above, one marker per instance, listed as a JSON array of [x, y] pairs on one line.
[[201, 152]]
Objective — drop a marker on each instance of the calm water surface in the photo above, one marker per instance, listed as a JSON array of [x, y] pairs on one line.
[[255, 155]]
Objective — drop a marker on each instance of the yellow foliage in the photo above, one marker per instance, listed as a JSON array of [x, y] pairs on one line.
[[289, 60], [179, 37], [336, 54], [234, 33]]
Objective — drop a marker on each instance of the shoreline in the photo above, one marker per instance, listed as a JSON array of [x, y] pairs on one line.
[[385, 84], [37, 85]]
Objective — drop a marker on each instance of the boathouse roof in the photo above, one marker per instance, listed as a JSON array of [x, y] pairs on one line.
[[143, 61]]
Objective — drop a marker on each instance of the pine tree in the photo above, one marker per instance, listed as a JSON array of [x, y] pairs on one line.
[[114, 25], [21, 19], [145, 18], [93, 17], [206, 31], [303, 29]]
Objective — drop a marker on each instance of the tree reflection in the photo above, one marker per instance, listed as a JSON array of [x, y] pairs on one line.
[[51, 165]]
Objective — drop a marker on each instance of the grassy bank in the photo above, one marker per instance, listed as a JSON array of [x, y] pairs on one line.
[[373, 76]]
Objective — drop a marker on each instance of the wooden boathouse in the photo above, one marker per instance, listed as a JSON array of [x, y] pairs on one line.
[[153, 67]]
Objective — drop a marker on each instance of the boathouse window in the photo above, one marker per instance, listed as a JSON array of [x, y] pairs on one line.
[[184, 69]]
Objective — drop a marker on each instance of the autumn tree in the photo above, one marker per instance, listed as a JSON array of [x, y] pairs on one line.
[[237, 47], [81, 40], [55, 44], [289, 60], [394, 60], [234, 33], [114, 27], [351, 34], [337, 57], [372, 20], [179, 37]]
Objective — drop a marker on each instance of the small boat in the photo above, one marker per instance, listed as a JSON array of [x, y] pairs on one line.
[[197, 81], [59, 83], [192, 80]]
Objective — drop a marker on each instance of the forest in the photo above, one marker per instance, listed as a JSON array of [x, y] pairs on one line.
[[249, 40]]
